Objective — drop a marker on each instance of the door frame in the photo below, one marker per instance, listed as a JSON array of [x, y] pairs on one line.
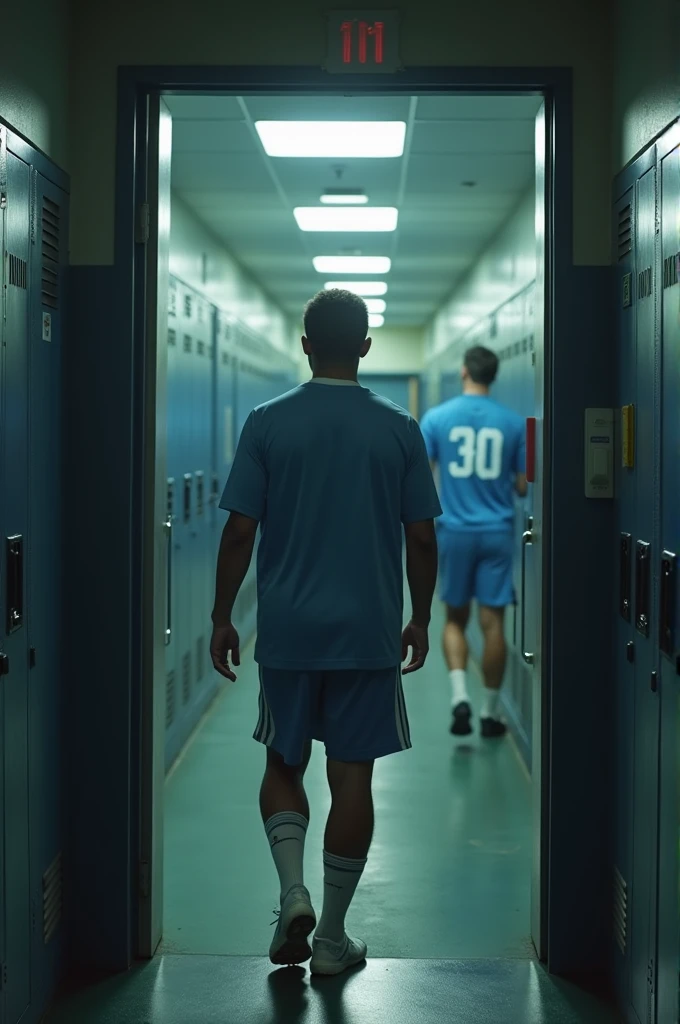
[[135, 87]]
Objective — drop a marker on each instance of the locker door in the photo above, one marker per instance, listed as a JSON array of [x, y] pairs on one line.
[[624, 630], [395, 387], [13, 626], [646, 554], [669, 625], [174, 500]]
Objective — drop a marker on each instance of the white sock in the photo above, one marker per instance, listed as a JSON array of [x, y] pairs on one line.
[[340, 876], [286, 834], [490, 705], [458, 686]]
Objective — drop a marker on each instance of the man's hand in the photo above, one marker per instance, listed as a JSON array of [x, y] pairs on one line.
[[414, 636], [224, 640]]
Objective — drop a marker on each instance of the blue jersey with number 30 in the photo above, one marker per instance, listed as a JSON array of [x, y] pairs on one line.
[[479, 446]]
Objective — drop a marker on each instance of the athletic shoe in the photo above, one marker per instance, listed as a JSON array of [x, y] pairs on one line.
[[492, 728], [462, 713], [296, 919], [335, 957]]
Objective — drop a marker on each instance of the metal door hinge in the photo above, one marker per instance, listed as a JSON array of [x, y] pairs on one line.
[[654, 682], [142, 228], [3, 201], [4, 665], [144, 880]]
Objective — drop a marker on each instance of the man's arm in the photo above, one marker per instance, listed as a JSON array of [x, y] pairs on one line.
[[421, 572], [236, 550]]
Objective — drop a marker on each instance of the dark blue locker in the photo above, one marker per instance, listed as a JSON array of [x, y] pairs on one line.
[[646, 553], [669, 625], [13, 610], [225, 427], [44, 579], [395, 387], [174, 511]]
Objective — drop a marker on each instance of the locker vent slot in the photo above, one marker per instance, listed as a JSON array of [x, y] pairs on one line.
[[18, 272], [51, 229], [186, 677], [169, 699], [625, 231], [187, 343], [620, 911], [200, 348], [172, 337], [200, 658], [645, 283], [670, 271], [187, 306], [53, 898]]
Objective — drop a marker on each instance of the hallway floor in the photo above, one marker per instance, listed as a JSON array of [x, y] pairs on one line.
[[443, 905]]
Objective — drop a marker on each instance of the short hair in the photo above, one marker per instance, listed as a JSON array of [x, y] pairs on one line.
[[481, 364], [336, 325]]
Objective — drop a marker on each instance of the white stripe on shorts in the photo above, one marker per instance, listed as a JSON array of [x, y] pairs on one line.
[[265, 731], [400, 712]]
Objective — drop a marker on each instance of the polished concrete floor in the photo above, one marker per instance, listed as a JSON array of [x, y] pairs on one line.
[[444, 903], [449, 872]]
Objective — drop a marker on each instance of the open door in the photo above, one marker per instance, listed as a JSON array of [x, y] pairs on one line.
[[154, 228], [536, 540]]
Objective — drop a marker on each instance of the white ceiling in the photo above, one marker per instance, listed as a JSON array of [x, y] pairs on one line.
[[246, 198]]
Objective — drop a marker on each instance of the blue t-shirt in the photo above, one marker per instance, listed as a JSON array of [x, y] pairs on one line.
[[479, 446], [331, 471]]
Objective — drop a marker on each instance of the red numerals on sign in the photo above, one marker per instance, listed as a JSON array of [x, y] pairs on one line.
[[376, 32]]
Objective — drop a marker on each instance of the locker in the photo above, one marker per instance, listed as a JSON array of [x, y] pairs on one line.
[[13, 612], [395, 387]]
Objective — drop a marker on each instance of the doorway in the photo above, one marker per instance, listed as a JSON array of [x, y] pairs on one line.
[[151, 190]]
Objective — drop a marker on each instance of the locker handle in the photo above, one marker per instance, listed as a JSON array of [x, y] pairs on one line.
[[168, 576], [642, 572], [624, 575], [527, 539], [187, 497], [667, 603], [15, 583], [200, 493]]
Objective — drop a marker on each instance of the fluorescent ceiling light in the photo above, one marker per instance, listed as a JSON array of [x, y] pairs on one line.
[[371, 218], [375, 320], [359, 287], [376, 305], [352, 264], [333, 139], [344, 198]]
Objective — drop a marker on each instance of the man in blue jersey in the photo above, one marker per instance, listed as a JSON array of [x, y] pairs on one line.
[[335, 476], [479, 448]]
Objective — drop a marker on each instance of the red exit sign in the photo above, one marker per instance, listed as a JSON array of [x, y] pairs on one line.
[[363, 42]]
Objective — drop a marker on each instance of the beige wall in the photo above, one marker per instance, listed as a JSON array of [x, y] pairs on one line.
[[526, 33], [34, 73], [647, 84]]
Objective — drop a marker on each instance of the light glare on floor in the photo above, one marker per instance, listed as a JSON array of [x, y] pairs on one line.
[[376, 305], [371, 218], [332, 139], [375, 320], [335, 199], [352, 264], [359, 287]]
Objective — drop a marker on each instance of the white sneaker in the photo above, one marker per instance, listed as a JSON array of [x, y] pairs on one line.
[[335, 957], [296, 919]]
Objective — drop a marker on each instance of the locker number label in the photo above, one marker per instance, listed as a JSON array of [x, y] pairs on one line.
[[47, 327]]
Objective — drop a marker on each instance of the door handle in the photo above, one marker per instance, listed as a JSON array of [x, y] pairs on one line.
[[527, 539], [167, 525]]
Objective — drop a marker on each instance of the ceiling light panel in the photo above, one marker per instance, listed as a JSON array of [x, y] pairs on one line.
[[370, 218], [343, 199], [375, 305], [375, 320], [332, 139], [363, 288], [352, 264]]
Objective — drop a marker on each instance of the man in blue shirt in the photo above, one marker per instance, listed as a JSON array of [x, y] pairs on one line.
[[479, 447], [335, 476]]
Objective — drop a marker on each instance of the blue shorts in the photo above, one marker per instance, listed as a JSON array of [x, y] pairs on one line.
[[476, 564], [360, 714]]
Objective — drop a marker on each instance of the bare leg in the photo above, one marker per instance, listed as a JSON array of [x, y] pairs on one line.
[[283, 786], [493, 660], [454, 642]]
